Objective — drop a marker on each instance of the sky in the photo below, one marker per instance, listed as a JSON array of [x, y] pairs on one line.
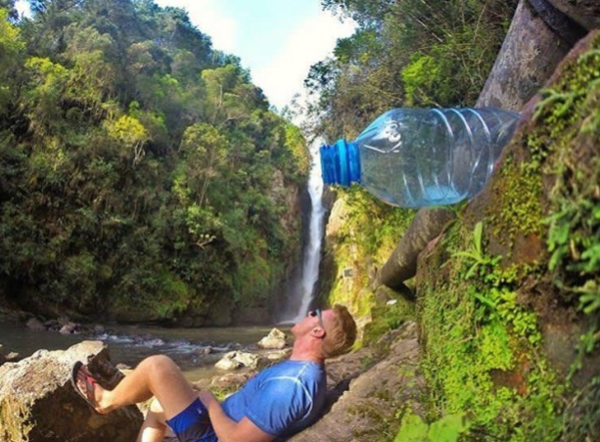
[[277, 40]]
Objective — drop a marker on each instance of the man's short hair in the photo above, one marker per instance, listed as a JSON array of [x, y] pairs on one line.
[[341, 332]]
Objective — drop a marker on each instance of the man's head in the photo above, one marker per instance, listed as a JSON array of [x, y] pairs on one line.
[[340, 332], [334, 329]]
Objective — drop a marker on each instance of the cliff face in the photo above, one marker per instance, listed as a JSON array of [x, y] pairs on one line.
[[507, 299]]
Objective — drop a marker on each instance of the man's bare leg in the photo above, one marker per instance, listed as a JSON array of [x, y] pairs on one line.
[[155, 376], [155, 426]]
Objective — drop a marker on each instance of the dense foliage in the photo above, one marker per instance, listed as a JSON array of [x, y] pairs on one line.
[[506, 300], [406, 53], [142, 174]]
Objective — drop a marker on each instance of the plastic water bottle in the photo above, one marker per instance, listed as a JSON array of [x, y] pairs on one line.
[[422, 157]]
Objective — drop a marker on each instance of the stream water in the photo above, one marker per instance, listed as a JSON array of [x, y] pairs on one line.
[[129, 345]]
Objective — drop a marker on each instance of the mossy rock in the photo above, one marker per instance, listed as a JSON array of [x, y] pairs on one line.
[[505, 298]]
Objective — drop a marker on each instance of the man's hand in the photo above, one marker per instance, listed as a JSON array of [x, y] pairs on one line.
[[227, 429]]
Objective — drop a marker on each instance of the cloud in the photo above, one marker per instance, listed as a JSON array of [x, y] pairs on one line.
[[312, 40], [210, 20]]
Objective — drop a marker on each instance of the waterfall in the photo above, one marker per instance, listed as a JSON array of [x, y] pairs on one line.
[[299, 301]]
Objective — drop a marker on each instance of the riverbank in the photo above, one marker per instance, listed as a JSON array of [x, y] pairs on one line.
[[196, 350]]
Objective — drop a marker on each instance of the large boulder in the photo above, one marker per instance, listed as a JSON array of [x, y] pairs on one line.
[[564, 155], [364, 401], [38, 402]]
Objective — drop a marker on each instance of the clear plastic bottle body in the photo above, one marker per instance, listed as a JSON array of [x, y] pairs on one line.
[[424, 157]]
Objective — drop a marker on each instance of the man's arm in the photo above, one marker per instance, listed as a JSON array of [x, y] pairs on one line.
[[227, 429]]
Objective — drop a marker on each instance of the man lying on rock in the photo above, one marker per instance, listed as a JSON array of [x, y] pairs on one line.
[[278, 402]]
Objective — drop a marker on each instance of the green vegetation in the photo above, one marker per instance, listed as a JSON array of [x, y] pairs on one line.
[[527, 260], [447, 429], [406, 53], [371, 229], [483, 349], [142, 175]]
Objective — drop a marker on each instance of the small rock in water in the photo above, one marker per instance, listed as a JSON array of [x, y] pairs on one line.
[[99, 329], [34, 324], [67, 329], [275, 340], [237, 359], [204, 351]]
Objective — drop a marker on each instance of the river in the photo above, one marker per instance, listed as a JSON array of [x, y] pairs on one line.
[[130, 344]]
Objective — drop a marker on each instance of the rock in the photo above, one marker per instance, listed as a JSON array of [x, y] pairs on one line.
[[38, 402], [584, 12], [230, 381], [275, 340], [68, 329], [564, 26], [204, 351], [339, 213], [99, 329], [278, 355], [428, 224], [366, 399], [228, 364], [530, 53], [237, 359], [35, 324]]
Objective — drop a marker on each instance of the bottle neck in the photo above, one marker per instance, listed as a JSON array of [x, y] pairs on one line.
[[340, 163]]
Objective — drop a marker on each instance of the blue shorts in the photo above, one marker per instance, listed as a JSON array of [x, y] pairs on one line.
[[193, 424]]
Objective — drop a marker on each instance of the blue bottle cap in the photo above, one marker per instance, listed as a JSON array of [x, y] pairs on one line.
[[340, 163]]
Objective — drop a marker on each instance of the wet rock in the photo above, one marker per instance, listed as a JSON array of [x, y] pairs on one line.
[[35, 324], [275, 340], [204, 351], [68, 329], [38, 402]]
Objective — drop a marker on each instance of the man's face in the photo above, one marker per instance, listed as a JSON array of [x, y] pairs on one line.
[[313, 320]]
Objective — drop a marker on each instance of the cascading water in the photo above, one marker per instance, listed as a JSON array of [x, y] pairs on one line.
[[299, 301]]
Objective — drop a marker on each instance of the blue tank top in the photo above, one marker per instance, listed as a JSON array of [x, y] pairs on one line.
[[281, 400]]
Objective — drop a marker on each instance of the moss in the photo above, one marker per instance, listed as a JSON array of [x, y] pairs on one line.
[[13, 416], [518, 197], [382, 427], [482, 346], [476, 336], [367, 236], [568, 136], [386, 318]]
